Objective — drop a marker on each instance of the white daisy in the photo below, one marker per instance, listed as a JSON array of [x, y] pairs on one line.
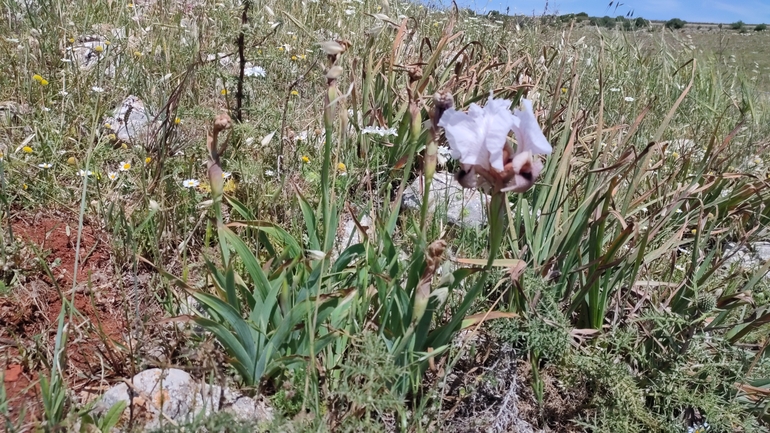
[[379, 131], [254, 71], [45, 165], [190, 183]]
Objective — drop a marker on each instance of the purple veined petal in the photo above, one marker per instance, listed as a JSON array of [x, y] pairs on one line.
[[528, 133], [498, 122]]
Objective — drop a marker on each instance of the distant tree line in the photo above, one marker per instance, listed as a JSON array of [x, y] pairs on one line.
[[609, 22], [622, 22]]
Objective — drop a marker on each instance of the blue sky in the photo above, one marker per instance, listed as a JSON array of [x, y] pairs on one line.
[[719, 11]]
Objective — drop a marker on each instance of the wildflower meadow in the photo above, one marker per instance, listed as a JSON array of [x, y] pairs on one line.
[[379, 215]]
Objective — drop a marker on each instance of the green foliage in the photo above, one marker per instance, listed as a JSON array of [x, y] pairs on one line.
[[738, 25], [605, 21], [675, 24], [760, 27], [641, 23]]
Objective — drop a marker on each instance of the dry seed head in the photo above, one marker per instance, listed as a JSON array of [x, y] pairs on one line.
[[332, 48], [334, 72], [374, 31]]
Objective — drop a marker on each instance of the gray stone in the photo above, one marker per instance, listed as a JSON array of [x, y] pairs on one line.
[[84, 52], [748, 257], [172, 396], [131, 122], [465, 208]]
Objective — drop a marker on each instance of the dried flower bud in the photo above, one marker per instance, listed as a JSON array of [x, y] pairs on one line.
[[443, 100], [415, 72], [221, 122]]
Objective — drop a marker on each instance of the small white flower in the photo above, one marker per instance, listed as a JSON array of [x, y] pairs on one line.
[[226, 174], [65, 60], [112, 175], [269, 173], [190, 183], [679, 211], [124, 166], [614, 89], [629, 99], [350, 12], [379, 131], [84, 173], [45, 165], [254, 71], [63, 93], [97, 89], [46, 109], [12, 40]]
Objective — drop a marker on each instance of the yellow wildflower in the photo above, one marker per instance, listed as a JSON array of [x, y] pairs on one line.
[[177, 121], [112, 137], [106, 42], [675, 154], [107, 126], [138, 53], [229, 186], [342, 168], [26, 149], [98, 48], [71, 160], [563, 90], [295, 93], [130, 5], [24, 186], [294, 58], [694, 231], [305, 159], [223, 92], [37, 78], [147, 160], [44, 82], [71, 40]]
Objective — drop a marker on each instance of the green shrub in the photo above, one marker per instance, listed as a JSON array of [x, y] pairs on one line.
[[760, 27], [675, 23], [738, 25]]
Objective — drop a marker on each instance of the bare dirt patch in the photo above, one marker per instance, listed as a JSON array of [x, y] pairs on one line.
[[29, 311]]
